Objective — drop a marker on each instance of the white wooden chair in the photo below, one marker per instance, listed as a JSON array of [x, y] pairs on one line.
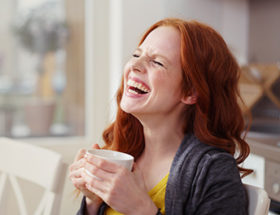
[[259, 201], [43, 168]]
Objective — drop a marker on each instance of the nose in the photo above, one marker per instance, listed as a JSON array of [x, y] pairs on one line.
[[138, 64]]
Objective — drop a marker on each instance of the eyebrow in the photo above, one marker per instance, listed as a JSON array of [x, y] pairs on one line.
[[153, 55]]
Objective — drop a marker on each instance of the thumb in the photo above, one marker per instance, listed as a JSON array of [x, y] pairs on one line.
[[139, 176], [136, 170], [95, 146]]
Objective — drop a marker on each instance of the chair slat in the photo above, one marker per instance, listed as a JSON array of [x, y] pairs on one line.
[[40, 166], [19, 196]]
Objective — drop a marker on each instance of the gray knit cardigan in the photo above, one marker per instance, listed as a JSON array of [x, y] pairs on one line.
[[203, 180]]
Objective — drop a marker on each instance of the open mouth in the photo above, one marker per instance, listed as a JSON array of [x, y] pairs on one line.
[[136, 87]]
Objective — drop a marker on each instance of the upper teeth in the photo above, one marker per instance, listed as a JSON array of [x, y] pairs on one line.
[[137, 85]]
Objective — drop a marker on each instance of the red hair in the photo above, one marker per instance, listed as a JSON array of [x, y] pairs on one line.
[[208, 69]]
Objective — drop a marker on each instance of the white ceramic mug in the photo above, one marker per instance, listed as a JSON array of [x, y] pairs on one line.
[[120, 158]]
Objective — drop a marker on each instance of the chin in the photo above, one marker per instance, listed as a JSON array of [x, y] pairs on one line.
[[124, 107], [128, 110]]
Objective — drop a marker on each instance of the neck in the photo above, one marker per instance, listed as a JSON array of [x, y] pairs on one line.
[[161, 145], [163, 135]]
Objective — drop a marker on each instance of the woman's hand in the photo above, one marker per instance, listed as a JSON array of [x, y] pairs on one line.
[[121, 189], [76, 175]]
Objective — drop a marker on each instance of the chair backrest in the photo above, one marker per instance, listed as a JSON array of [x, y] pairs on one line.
[[36, 165], [259, 201]]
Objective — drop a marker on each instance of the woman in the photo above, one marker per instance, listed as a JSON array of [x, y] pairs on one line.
[[178, 116]]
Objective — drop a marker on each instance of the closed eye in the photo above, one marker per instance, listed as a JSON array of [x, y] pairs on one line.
[[135, 55], [158, 63]]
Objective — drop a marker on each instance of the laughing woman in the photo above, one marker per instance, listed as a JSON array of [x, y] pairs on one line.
[[179, 117]]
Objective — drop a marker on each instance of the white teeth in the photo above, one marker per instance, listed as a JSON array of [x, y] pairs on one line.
[[137, 85], [132, 91]]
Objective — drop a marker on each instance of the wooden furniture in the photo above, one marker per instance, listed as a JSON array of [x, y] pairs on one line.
[[255, 81], [21, 163]]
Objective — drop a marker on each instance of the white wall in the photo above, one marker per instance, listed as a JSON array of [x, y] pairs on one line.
[[209, 11], [264, 36], [235, 27], [229, 17], [137, 17]]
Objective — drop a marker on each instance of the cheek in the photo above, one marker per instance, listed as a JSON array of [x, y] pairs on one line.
[[164, 81], [157, 77], [170, 86]]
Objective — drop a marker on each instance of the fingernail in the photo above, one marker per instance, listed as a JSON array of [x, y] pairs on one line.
[[88, 186]]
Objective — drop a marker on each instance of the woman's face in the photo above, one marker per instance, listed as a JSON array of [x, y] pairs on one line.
[[152, 77]]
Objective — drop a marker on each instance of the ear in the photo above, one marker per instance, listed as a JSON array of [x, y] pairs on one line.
[[189, 100]]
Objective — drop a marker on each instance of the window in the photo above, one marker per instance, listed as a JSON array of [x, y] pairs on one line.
[[42, 69]]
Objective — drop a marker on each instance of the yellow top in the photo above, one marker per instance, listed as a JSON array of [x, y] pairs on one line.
[[157, 194]]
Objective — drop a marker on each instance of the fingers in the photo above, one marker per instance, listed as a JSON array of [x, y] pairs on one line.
[[79, 183], [95, 146], [113, 188], [98, 172], [75, 172], [77, 179], [76, 169], [139, 177], [135, 167], [77, 165], [80, 154], [103, 164], [137, 172], [95, 191], [94, 184]]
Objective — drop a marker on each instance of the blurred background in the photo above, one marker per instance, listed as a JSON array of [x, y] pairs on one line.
[[41, 68], [61, 63], [56, 54]]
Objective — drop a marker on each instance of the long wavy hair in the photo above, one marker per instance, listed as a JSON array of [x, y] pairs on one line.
[[208, 69]]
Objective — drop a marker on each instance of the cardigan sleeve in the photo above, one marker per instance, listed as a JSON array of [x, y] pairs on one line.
[[204, 180], [219, 189], [83, 208]]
